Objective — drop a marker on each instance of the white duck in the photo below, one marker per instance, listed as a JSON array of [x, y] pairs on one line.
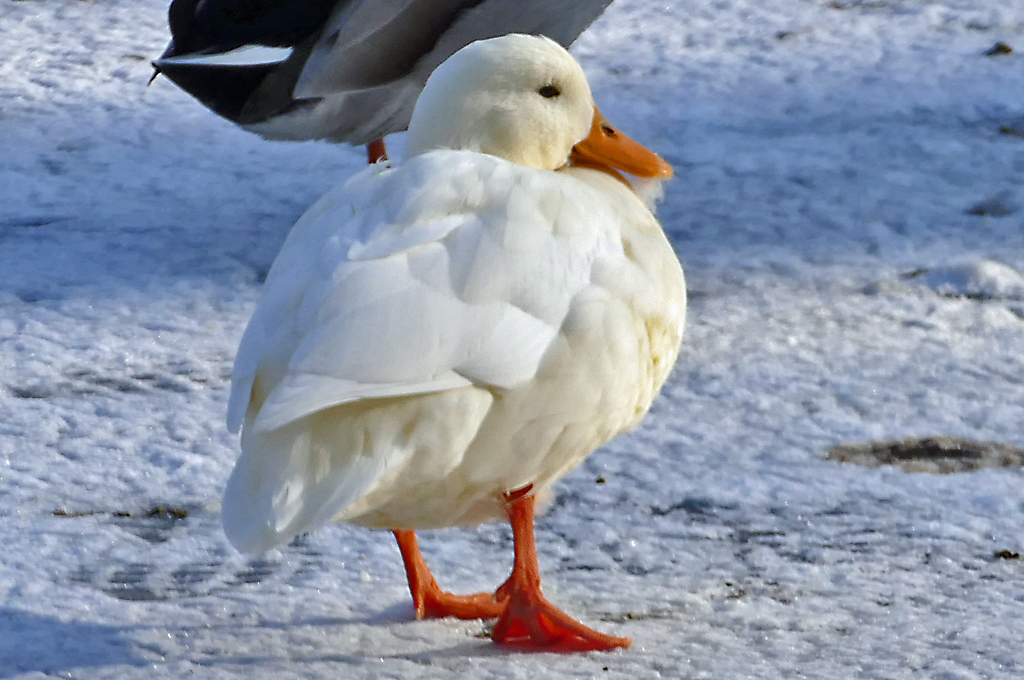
[[344, 70], [439, 342]]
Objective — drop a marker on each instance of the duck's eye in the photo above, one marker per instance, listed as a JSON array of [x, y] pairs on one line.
[[549, 91]]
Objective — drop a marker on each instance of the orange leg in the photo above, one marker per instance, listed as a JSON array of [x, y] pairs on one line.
[[428, 598], [529, 621], [375, 152]]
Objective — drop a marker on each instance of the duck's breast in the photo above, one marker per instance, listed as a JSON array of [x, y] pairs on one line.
[[620, 324]]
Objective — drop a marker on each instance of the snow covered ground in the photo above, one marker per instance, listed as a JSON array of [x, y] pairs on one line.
[[849, 208]]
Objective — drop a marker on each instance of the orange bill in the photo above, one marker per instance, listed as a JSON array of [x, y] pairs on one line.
[[606, 149]]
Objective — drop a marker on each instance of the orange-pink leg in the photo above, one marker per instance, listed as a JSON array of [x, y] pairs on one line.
[[428, 598], [376, 152], [529, 621]]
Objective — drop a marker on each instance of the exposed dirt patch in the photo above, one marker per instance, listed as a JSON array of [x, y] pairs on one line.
[[937, 455]]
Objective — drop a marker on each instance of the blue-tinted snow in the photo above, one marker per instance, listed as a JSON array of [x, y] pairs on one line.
[[847, 171]]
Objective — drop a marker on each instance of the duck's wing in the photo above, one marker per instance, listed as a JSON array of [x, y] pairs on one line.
[[244, 58], [370, 43], [450, 271], [217, 26], [221, 51]]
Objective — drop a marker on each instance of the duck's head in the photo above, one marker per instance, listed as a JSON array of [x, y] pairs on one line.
[[525, 99]]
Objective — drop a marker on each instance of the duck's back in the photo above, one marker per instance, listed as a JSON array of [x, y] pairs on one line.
[[438, 333]]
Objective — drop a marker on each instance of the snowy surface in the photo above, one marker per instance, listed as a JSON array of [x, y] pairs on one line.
[[848, 207]]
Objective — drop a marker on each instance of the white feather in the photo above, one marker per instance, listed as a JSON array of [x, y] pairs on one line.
[[246, 55]]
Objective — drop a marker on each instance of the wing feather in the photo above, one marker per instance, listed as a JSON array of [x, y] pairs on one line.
[[302, 394], [369, 43]]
